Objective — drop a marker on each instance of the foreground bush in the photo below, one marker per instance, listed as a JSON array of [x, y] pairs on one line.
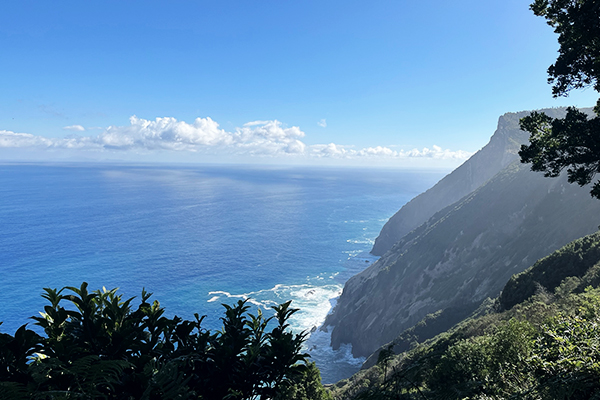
[[98, 346]]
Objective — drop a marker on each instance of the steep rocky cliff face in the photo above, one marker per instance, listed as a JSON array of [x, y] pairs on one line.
[[498, 153], [465, 252]]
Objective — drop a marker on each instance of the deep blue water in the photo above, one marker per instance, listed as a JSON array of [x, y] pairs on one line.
[[196, 236]]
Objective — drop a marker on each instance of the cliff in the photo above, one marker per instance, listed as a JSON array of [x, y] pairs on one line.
[[467, 251], [498, 153]]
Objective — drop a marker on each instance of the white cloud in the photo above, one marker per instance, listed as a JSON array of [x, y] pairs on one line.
[[269, 137], [77, 128], [255, 138], [438, 152], [322, 123], [25, 140], [330, 150], [435, 152], [254, 123], [164, 133], [340, 151], [378, 151], [13, 139]]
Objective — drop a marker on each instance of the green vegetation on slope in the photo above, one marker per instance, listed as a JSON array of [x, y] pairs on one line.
[[544, 347], [99, 347], [575, 259]]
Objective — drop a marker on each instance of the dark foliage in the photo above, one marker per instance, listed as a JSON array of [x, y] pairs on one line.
[[574, 141], [577, 22], [97, 346], [573, 260]]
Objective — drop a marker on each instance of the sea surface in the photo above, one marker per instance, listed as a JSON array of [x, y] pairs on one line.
[[197, 237]]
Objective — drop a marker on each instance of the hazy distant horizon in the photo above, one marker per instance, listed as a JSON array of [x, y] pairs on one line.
[[41, 157]]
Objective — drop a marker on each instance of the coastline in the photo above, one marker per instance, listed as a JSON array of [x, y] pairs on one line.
[[334, 365]]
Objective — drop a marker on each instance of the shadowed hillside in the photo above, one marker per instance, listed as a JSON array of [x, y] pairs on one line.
[[498, 153]]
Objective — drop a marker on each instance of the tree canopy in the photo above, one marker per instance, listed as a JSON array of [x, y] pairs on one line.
[[577, 22], [572, 142]]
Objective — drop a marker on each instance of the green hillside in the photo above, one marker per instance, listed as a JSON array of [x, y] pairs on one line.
[[576, 259], [544, 347]]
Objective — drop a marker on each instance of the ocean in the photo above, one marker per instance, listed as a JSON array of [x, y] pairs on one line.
[[197, 236]]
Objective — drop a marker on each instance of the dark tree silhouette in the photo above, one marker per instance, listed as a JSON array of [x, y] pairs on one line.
[[572, 142]]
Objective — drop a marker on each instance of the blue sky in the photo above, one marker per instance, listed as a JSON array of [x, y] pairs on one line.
[[405, 83]]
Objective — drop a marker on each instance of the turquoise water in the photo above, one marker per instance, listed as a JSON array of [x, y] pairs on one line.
[[196, 236]]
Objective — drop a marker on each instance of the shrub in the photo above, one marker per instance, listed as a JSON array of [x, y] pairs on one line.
[[99, 346]]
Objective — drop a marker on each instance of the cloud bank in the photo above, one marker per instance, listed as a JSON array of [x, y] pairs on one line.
[[256, 138]]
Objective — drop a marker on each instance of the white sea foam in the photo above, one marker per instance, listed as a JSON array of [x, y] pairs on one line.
[[226, 294], [314, 299], [334, 364], [311, 298], [361, 241]]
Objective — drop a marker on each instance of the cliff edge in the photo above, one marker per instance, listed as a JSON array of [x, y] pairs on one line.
[[500, 151]]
